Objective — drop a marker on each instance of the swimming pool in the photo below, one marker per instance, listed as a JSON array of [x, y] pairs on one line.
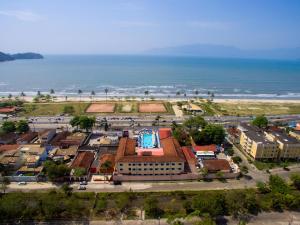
[[148, 141]]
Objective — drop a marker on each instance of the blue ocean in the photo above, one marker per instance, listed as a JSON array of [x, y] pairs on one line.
[[162, 76]]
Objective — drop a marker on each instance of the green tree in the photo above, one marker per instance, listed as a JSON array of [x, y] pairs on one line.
[[181, 135], [75, 122], [212, 134], [260, 121], [106, 92], [151, 207], [295, 178], [56, 171], [67, 189], [22, 126], [262, 187], [196, 123], [237, 159], [86, 122], [8, 127], [4, 183], [79, 172], [69, 109], [106, 166], [278, 184]]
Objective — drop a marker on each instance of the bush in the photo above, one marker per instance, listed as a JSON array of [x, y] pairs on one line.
[[236, 159]]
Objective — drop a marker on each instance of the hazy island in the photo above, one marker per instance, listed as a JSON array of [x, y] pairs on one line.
[[27, 55]]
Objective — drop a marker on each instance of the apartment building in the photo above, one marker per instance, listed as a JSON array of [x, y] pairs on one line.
[[289, 147], [256, 144]]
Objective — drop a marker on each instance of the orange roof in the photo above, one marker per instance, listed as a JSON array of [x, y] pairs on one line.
[[216, 165], [212, 148], [8, 109], [164, 133], [4, 148], [172, 152], [189, 155], [83, 160], [103, 159]]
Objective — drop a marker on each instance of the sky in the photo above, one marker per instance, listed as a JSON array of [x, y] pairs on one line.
[[133, 26]]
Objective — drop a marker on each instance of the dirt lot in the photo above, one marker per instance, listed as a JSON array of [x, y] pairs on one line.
[[126, 108], [101, 108], [152, 108]]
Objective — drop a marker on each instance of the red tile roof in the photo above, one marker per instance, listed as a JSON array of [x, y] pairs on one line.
[[164, 133], [212, 148], [214, 165], [83, 160], [171, 148], [8, 109], [28, 137], [4, 148], [189, 155]]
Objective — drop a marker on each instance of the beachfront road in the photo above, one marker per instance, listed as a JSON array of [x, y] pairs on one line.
[[43, 122]]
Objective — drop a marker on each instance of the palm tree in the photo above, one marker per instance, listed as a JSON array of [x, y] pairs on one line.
[[92, 94], [9, 96], [22, 94], [106, 91], [212, 96], [79, 93], [196, 92], [157, 118], [146, 93], [38, 93], [178, 93], [106, 166], [52, 91]]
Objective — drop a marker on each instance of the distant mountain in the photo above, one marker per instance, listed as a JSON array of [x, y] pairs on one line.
[[5, 57], [208, 50], [27, 55]]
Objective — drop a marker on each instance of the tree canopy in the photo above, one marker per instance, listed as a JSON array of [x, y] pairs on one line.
[[8, 127], [260, 121], [22, 126], [84, 122]]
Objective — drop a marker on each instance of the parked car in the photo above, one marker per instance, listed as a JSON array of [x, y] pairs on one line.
[[83, 182], [22, 183], [81, 187]]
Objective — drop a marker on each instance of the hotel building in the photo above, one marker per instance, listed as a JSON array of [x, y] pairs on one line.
[[153, 153]]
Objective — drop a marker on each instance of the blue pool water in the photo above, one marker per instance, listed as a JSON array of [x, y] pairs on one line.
[[147, 141]]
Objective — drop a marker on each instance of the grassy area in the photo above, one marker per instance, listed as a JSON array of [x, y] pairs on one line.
[[271, 165], [256, 108], [51, 109]]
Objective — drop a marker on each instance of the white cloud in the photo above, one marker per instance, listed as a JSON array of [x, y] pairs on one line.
[[135, 24], [21, 15], [213, 25]]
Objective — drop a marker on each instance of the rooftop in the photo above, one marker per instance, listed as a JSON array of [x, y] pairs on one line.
[[211, 147], [83, 160], [216, 165], [4, 148], [284, 138], [27, 137]]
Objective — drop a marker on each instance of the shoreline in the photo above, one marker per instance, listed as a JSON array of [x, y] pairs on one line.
[[172, 99]]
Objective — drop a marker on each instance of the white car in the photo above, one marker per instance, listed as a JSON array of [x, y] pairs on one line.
[[83, 183], [22, 183]]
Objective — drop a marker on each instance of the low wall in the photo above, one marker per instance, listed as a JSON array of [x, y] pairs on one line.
[[22, 178], [188, 176]]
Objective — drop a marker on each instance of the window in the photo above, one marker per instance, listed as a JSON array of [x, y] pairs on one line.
[[140, 169], [129, 164], [167, 168], [151, 169], [121, 164], [150, 164], [173, 168], [145, 164], [173, 164], [161, 168], [156, 164], [139, 164], [129, 169], [162, 164], [167, 164], [121, 169], [179, 164], [133, 169], [179, 168], [145, 168], [156, 168]]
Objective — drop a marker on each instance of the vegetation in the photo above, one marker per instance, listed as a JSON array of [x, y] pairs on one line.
[[69, 109], [83, 122], [276, 194], [22, 126], [8, 127], [260, 121], [51, 109], [56, 171]]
